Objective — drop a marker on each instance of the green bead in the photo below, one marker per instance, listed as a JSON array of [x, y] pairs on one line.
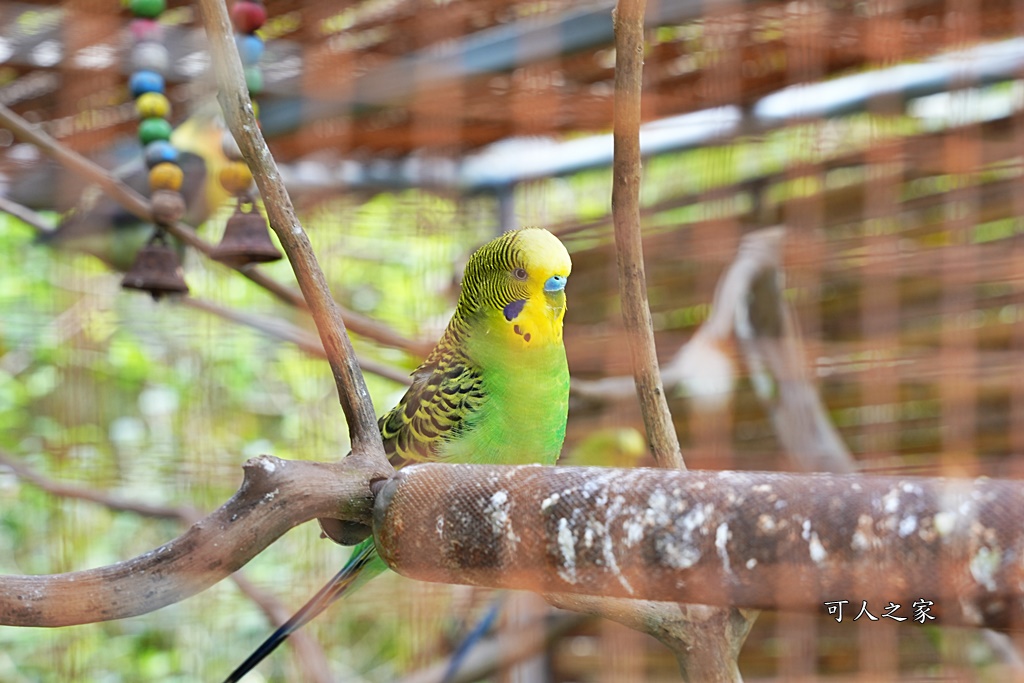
[[154, 129], [147, 8], [254, 79]]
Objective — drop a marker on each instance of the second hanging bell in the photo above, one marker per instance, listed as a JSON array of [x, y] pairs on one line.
[[246, 239], [156, 269]]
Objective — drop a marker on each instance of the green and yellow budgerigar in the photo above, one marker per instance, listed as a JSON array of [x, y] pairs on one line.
[[100, 226], [494, 390]]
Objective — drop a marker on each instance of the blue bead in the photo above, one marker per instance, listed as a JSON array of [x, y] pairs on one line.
[[160, 151], [250, 48], [142, 82]]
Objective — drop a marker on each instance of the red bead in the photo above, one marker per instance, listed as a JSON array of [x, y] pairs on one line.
[[146, 29], [247, 16]]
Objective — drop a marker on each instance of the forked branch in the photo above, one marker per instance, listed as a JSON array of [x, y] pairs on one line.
[[238, 111], [275, 496]]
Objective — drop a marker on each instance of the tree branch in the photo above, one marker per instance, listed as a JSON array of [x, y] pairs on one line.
[[683, 628], [745, 539], [237, 107], [275, 496], [27, 216], [285, 331], [749, 306], [139, 206], [629, 60], [501, 651], [770, 339], [277, 328], [670, 623], [753, 540], [184, 514], [309, 655]]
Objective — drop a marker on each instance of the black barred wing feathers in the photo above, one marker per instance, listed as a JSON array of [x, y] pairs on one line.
[[446, 392]]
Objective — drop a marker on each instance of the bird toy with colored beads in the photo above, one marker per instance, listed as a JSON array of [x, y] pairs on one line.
[[246, 238], [156, 269]]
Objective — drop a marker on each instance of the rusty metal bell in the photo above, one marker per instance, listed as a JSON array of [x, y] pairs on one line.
[[156, 270], [246, 239]]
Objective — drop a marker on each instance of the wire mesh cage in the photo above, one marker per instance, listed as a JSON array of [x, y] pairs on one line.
[[885, 136]]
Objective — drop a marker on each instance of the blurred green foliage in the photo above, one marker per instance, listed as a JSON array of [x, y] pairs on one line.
[[161, 403]]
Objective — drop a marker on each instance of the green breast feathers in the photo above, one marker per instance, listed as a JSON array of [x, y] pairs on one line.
[[495, 389]]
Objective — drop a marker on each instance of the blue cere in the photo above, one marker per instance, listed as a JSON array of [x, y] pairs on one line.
[[555, 283]]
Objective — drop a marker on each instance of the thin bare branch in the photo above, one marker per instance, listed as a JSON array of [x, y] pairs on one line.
[[139, 206], [234, 99], [28, 132], [382, 334], [769, 336], [636, 313], [27, 216], [501, 651], [279, 329], [749, 306], [309, 655], [275, 496], [677, 630], [285, 331], [276, 328], [683, 628], [185, 514]]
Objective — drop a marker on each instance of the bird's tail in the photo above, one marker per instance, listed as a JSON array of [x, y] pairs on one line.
[[474, 636], [364, 555]]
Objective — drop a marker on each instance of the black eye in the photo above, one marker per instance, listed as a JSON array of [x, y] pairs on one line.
[[519, 273]]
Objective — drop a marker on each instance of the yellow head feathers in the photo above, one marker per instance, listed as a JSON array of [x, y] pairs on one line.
[[543, 255], [515, 285]]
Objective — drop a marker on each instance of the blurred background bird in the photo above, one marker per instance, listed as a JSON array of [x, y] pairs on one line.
[[609, 447], [100, 226]]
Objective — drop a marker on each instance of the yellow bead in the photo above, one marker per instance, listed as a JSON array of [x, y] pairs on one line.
[[153, 105], [236, 177], [166, 176]]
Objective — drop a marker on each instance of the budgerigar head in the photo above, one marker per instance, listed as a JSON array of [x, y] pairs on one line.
[[516, 283]]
